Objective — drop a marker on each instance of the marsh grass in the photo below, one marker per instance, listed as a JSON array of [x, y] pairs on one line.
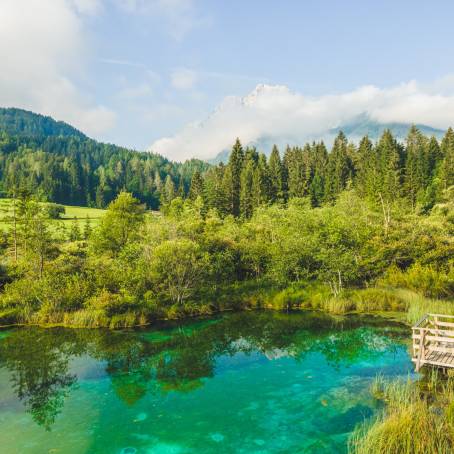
[[418, 418]]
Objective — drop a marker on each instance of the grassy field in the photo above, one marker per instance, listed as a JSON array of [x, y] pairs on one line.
[[71, 213]]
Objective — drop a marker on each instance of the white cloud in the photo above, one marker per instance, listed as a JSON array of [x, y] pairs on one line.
[[277, 112], [183, 79], [41, 44]]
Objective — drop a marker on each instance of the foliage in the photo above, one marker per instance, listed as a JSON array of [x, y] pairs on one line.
[[55, 210]]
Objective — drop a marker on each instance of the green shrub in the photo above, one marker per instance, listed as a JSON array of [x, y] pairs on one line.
[[55, 210], [426, 279]]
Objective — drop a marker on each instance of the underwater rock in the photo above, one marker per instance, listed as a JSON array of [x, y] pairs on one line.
[[141, 417], [129, 450], [217, 437], [346, 422]]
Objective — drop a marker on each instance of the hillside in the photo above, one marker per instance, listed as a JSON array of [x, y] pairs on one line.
[[19, 122], [59, 163]]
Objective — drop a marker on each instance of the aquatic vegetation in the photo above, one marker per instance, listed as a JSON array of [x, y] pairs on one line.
[[417, 418]]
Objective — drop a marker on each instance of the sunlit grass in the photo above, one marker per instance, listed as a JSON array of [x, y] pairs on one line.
[[416, 419]]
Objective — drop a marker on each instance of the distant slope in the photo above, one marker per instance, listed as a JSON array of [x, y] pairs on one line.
[[23, 123], [354, 130], [363, 125]]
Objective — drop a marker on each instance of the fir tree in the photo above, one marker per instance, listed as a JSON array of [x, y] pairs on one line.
[[275, 175], [236, 167], [196, 188]]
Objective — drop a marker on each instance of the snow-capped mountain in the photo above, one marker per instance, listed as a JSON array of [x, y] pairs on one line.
[[274, 114]]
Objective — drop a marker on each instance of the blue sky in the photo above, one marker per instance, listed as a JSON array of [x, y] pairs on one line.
[[135, 71]]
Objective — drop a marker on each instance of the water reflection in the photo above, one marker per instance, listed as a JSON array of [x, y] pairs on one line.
[[179, 357]]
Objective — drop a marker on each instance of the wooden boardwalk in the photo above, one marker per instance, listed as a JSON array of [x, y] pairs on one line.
[[433, 341]]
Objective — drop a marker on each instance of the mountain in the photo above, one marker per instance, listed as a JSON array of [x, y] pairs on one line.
[[355, 129], [23, 123], [274, 114], [363, 125], [58, 163]]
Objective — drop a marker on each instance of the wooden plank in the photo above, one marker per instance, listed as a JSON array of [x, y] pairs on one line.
[[440, 332], [441, 315], [447, 324], [434, 348], [434, 363], [448, 340]]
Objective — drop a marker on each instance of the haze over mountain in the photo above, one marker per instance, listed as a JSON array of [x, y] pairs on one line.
[[273, 114]]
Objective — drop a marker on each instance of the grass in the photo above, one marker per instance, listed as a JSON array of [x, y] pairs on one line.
[[418, 418], [66, 220]]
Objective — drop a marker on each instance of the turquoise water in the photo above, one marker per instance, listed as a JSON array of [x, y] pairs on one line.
[[256, 382]]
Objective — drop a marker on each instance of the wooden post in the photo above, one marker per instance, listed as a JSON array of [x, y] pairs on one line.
[[421, 349]]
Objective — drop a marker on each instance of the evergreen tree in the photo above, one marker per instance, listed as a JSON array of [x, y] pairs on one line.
[[339, 167], [260, 182], [74, 232], [247, 199], [181, 191], [447, 165], [87, 228], [417, 166], [365, 168], [168, 191], [235, 166], [196, 188], [275, 175], [389, 157]]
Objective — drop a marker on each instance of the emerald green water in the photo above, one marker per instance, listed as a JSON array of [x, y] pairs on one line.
[[256, 382]]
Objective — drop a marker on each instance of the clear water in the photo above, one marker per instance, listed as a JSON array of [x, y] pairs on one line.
[[256, 382]]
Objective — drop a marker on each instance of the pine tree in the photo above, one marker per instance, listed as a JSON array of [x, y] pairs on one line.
[[275, 175], [246, 199], [339, 167], [260, 182], [417, 166], [181, 191], [389, 161], [74, 233], [447, 165], [87, 228], [365, 167], [196, 188], [168, 192], [236, 166]]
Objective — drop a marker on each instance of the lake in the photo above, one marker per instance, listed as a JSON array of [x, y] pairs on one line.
[[251, 382]]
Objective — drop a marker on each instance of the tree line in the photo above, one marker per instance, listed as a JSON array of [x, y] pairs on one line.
[[80, 171], [417, 171]]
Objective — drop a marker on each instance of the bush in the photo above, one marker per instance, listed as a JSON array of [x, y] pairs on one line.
[[428, 280], [55, 210]]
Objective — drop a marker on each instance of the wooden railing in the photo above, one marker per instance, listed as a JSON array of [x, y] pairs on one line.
[[433, 341]]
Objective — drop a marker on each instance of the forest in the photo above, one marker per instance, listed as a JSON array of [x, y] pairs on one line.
[[58, 163], [359, 228]]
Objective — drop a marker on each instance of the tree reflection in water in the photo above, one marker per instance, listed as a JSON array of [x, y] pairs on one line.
[[178, 357]]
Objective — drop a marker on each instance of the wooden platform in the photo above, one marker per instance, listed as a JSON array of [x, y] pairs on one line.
[[433, 341]]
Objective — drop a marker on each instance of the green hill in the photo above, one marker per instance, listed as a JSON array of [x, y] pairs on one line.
[[19, 122], [60, 164]]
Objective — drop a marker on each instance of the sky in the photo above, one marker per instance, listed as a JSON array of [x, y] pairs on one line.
[[186, 77]]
